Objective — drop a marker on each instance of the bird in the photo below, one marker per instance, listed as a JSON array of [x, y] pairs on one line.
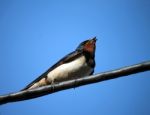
[[77, 64]]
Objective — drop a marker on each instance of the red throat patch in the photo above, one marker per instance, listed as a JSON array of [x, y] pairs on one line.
[[90, 46]]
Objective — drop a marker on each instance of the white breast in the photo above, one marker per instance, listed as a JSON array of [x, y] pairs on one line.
[[74, 69]]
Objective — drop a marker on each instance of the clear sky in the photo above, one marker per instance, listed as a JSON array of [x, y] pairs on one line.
[[35, 34]]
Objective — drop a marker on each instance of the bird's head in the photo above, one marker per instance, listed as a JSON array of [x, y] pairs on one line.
[[88, 46]]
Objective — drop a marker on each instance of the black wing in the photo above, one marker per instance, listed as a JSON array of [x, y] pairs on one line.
[[66, 59]]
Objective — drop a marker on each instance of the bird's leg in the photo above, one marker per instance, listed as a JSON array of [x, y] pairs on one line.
[[52, 84]]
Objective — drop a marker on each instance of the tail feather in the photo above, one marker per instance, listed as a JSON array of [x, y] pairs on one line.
[[37, 84]]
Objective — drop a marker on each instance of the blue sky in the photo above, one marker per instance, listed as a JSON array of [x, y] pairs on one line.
[[34, 34]]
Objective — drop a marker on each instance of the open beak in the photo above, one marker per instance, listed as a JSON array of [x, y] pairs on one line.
[[94, 39]]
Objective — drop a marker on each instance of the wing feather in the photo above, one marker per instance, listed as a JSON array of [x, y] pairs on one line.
[[66, 59]]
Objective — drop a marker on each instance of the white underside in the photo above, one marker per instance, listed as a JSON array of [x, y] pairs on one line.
[[74, 69]]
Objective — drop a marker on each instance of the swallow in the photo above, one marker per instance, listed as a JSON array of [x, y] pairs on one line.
[[77, 64]]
